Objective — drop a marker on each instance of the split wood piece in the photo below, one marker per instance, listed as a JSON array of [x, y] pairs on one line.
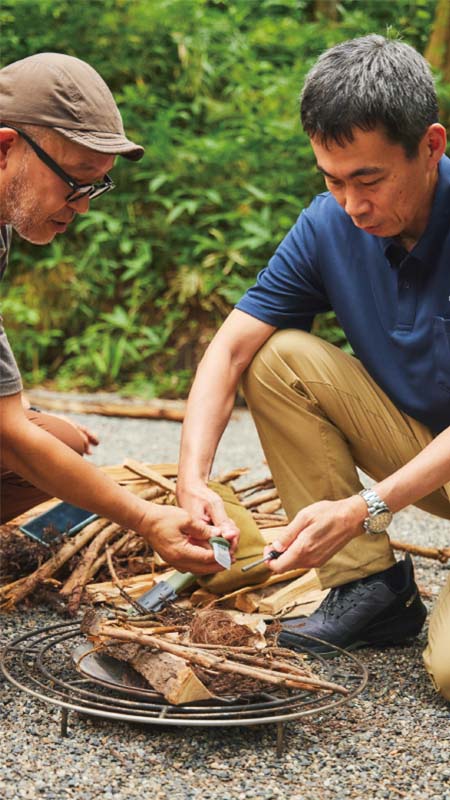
[[294, 592], [167, 674], [255, 500], [173, 410], [441, 554], [106, 592], [14, 592], [219, 663], [151, 474]]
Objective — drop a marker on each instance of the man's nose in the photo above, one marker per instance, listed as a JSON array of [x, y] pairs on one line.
[[81, 205], [355, 204]]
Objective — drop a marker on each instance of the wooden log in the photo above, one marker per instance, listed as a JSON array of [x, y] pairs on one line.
[[173, 410]]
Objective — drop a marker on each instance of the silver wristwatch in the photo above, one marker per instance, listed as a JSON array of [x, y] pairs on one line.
[[380, 515]]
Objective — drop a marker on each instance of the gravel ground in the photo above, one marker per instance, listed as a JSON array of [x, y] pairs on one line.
[[393, 741]]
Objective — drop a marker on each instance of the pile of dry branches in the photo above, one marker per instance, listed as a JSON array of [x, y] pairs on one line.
[[202, 656]]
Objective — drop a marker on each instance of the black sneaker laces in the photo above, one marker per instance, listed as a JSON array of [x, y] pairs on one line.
[[344, 596]]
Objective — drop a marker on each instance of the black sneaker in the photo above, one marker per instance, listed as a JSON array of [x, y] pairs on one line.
[[384, 608]]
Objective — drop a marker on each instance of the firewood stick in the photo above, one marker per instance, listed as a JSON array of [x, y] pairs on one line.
[[257, 499], [101, 559], [270, 507], [231, 475], [151, 474], [220, 664], [271, 523], [80, 574], [265, 483], [14, 592], [441, 554]]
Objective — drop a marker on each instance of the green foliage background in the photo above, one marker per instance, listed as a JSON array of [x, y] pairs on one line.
[[132, 294]]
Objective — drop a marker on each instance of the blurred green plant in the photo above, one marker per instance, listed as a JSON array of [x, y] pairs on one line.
[[132, 294]]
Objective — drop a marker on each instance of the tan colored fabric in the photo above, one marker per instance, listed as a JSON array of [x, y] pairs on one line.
[[251, 546], [437, 655], [319, 415], [17, 495]]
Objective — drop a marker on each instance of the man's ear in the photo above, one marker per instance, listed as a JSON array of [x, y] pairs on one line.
[[436, 139], [8, 138]]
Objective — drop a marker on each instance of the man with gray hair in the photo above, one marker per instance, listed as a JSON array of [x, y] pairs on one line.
[[60, 131], [375, 248]]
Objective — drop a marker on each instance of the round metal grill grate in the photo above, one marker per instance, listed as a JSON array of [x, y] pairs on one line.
[[41, 663]]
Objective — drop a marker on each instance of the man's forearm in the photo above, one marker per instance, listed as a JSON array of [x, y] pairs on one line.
[[53, 467], [421, 476], [209, 408]]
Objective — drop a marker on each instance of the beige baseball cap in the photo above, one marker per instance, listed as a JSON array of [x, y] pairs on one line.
[[61, 92]]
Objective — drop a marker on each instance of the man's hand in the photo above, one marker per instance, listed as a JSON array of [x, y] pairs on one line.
[[90, 439], [317, 532], [206, 505], [181, 540]]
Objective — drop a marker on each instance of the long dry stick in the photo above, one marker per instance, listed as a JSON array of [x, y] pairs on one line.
[[14, 592], [151, 474], [441, 554], [208, 661]]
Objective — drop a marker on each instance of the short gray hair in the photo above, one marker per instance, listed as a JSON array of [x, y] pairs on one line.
[[368, 82]]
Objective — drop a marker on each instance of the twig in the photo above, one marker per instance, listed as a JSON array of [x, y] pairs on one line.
[[118, 583]]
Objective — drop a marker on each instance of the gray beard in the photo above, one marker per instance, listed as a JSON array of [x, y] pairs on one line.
[[20, 208]]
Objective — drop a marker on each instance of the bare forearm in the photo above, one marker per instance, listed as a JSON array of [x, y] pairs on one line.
[[51, 466], [209, 408], [425, 473]]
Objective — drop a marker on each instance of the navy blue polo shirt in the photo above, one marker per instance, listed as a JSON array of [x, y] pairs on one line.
[[393, 305]]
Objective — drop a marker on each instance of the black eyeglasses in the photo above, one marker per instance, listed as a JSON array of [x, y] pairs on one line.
[[79, 190]]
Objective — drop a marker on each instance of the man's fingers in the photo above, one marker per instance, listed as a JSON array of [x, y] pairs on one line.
[[198, 529], [198, 560]]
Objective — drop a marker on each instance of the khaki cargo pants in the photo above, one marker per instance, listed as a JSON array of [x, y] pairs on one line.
[[319, 415]]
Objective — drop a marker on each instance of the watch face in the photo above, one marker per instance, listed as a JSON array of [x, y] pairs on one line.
[[378, 523]]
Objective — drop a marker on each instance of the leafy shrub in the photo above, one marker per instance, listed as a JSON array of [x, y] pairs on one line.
[[133, 293]]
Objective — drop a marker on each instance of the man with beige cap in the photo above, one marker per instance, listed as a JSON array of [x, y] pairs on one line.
[[60, 130]]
